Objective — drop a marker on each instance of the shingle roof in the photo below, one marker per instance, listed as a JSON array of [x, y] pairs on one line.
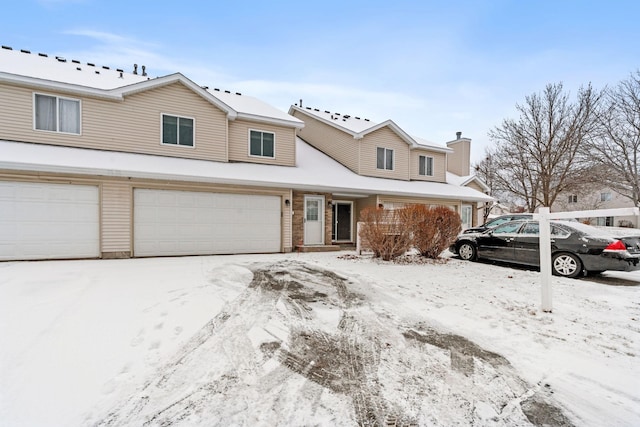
[[358, 126], [65, 70], [73, 75]]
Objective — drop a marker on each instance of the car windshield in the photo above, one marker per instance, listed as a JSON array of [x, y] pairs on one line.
[[496, 222], [510, 227]]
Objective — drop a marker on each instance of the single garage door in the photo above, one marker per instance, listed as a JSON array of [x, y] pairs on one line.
[[168, 222], [46, 221]]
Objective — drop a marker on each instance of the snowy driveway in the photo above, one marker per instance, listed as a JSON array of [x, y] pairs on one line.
[[311, 339]]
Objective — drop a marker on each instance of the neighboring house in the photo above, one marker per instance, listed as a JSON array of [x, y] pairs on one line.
[[103, 163], [599, 198]]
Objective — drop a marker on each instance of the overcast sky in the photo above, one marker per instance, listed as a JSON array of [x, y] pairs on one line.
[[434, 68]]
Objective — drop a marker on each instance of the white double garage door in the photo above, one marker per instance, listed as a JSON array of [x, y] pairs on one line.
[[49, 221]]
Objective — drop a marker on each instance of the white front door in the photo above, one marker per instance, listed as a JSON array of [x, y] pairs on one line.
[[314, 220]]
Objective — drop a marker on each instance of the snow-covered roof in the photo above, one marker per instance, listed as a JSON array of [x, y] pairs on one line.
[[464, 180], [65, 70], [70, 75], [315, 171], [359, 127], [252, 108]]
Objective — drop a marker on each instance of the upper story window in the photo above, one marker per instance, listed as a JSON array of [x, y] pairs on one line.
[[605, 197], [57, 114], [262, 144], [425, 166], [573, 198], [385, 158], [177, 130]]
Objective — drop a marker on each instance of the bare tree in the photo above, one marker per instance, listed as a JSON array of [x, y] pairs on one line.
[[615, 149], [486, 171], [537, 156]]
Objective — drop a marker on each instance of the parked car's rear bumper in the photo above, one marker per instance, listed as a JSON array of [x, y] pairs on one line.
[[612, 261]]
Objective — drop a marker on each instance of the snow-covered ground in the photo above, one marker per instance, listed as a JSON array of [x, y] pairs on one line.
[[313, 339]]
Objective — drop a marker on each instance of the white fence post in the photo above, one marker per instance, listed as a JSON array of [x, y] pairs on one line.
[[358, 239], [545, 259]]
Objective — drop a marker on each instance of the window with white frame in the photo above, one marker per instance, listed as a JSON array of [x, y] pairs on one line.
[[56, 114], [425, 166], [604, 221], [605, 197], [573, 198], [177, 130], [384, 158], [262, 144]]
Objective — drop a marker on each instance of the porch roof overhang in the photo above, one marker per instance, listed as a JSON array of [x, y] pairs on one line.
[[314, 171]]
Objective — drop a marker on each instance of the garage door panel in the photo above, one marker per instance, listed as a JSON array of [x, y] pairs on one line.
[[44, 220], [168, 222]]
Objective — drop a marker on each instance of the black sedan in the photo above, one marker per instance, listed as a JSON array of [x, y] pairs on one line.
[[493, 223], [575, 248]]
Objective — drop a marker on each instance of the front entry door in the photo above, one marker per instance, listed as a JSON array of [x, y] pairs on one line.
[[314, 220], [342, 221]]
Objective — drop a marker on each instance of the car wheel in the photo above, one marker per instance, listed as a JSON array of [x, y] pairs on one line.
[[467, 251], [566, 264]]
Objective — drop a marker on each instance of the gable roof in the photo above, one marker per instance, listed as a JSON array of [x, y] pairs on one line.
[[71, 76], [359, 127], [315, 171], [466, 180]]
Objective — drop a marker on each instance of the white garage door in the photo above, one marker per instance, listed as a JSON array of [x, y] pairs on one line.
[[170, 222], [46, 221]]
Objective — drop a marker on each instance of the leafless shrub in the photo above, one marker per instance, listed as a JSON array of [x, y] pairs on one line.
[[385, 232], [433, 228]]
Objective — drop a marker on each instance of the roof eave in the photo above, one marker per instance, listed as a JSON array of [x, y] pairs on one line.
[[294, 108], [271, 120], [177, 78], [52, 85]]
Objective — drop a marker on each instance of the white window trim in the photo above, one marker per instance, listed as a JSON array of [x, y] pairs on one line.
[[57, 113], [384, 162], [249, 144], [433, 165], [605, 196], [162, 143]]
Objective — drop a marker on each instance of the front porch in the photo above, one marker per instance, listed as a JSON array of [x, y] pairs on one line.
[[318, 248]]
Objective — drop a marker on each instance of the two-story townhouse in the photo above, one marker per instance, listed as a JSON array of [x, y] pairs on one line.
[[385, 151], [102, 163]]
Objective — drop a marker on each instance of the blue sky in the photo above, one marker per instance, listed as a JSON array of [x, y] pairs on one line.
[[432, 67]]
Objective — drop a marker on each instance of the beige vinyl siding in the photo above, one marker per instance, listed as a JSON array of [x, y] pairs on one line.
[[439, 166], [385, 138], [331, 141], [116, 212], [475, 186], [133, 125], [396, 201], [361, 204], [458, 161], [285, 143]]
